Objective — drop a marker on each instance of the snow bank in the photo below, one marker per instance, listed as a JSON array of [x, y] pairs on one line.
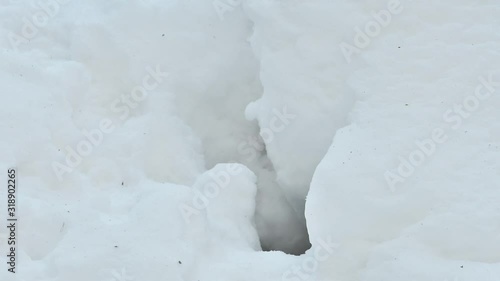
[[126, 119], [410, 186]]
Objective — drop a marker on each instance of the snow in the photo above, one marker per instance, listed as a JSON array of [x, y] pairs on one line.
[[252, 140]]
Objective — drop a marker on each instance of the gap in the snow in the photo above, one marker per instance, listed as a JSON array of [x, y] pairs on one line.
[[283, 230], [279, 228], [298, 247]]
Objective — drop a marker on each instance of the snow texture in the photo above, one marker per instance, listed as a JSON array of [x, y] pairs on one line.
[[258, 140]]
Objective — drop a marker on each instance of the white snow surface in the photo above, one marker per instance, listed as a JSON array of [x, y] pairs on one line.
[[255, 123]]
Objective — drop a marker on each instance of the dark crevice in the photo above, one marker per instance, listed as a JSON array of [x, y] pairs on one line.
[[293, 243]]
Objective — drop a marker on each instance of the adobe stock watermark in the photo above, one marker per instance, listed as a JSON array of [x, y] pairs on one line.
[[224, 6], [363, 37], [277, 124], [321, 253], [46, 10], [123, 106], [455, 117], [219, 180]]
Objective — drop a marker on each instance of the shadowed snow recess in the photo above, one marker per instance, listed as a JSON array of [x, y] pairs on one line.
[[258, 140]]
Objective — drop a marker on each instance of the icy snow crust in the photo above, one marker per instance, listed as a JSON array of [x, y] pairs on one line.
[[250, 109]]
